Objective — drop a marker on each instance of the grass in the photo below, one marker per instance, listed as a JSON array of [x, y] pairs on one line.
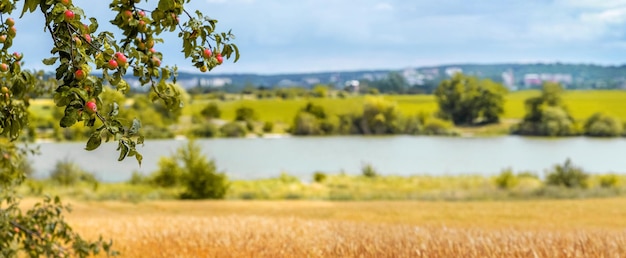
[[582, 104], [555, 228], [342, 187]]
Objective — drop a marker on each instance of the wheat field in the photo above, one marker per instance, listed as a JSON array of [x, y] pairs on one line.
[[538, 228]]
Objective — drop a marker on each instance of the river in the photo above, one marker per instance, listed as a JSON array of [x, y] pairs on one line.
[[398, 155]]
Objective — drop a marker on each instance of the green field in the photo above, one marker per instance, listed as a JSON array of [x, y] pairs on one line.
[[581, 104]]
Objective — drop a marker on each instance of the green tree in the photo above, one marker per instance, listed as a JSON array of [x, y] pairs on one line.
[[394, 82], [245, 114], [211, 111], [380, 116], [467, 100], [567, 175], [546, 115], [321, 91], [78, 50], [601, 125], [200, 176]]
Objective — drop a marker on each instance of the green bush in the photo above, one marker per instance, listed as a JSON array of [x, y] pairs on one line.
[[319, 177], [600, 125], [67, 173], [200, 177], [205, 130], [211, 111], [369, 171], [437, 126], [169, 173], [306, 123], [506, 179], [245, 114], [567, 175], [137, 178], [233, 129], [268, 127], [609, 180]]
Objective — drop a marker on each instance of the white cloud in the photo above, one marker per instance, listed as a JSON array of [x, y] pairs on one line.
[[612, 16], [384, 7]]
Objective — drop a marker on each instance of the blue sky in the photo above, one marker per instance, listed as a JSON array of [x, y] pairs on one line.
[[284, 36]]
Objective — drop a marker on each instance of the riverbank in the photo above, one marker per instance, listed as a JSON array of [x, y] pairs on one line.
[[342, 187]]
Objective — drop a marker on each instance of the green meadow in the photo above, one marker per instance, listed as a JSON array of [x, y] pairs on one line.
[[581, 103]]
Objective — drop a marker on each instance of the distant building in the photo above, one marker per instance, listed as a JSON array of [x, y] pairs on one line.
[[352, 86], [508, 78], [533, 79], [451, 71]]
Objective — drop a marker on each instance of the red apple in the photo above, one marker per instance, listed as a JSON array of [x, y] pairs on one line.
[[142, 14], [207, 53], [4, 67], [112, 64], [87, 38], [152, 50], [17, 56], [10, 22], [219, 58], [3, 38], [156, 61], [65, 2], [77, 41], [127, 14], [121, 59], [69, 15], [91, 106], [80, 74], [141, 26]]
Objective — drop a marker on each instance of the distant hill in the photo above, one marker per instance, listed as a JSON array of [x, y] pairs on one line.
[[515, 76]]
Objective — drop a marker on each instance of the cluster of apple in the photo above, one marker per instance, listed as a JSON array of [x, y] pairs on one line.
[[208, 54]]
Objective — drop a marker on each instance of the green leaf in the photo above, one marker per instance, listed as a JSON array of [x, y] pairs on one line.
[[123, 148], [50, 61], [94, 141], [139, 158], [134, 129], [236, 52]]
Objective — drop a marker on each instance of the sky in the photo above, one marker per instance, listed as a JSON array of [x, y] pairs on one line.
[[286, 36]]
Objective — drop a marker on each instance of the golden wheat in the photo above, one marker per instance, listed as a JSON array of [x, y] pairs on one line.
[[571, 228]]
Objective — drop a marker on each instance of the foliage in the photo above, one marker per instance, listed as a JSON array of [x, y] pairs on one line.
[[379, 117], [601, 125], [546, 115], [211, 111], [77, 49], [394, 82], [205, 129], [268, 127], [368, 170], [245, 114], [506, 179], [319, 177], [169, 173], [320, 91], [567, 175], [68, 173], [200, 177], [233, 129], [466, 100]]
